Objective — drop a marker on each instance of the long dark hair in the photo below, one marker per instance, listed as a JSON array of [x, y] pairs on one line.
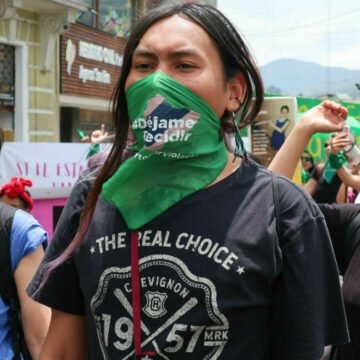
[[235, 57]]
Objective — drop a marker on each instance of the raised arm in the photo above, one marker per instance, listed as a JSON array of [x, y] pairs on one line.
[[349, 179], [326, 117], [338, 143]]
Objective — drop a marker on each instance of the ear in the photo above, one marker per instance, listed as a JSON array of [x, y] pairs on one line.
[[237, 91]]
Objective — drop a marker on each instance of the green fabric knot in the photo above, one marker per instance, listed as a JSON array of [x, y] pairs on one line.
[[336, 161], [333, 163]]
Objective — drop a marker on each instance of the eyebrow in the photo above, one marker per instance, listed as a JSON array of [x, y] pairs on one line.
[[173, 55]]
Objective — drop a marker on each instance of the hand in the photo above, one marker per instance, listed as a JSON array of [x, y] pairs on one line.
[[98, 136], [325, 117], [339, 142]]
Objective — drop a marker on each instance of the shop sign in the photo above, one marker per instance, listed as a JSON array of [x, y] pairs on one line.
[[99, 53], [90, 57], [101, 76]]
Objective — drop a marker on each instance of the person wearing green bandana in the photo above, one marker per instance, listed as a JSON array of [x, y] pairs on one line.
[[325, 182], [307, 165], [176, 252], [343, 220]]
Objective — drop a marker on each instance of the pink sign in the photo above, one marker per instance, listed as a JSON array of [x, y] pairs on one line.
[[46, 212]]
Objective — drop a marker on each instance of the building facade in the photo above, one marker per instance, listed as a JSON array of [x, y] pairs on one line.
[[44, 84], [59, 63], [29, 29]]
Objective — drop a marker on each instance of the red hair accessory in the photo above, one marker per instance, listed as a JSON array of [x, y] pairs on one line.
[[16, 188]]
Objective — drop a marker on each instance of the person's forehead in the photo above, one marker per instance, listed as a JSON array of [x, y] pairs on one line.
[[175, 32]]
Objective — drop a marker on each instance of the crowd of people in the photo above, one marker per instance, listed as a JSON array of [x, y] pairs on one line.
[[177, 245]]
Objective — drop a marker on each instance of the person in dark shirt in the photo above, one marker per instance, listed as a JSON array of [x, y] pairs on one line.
[[343, 220], [330, 179], [324, 183], [178, 252]]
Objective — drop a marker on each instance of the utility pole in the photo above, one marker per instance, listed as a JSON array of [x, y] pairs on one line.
[[328, 50]]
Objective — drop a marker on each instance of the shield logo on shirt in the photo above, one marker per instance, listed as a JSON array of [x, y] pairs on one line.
[[155, 304], [164, 280]]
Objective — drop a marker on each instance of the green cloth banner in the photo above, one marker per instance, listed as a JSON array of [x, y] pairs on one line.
[[304, 104]]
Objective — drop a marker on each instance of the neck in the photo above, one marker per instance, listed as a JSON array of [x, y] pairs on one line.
[[229, 168]]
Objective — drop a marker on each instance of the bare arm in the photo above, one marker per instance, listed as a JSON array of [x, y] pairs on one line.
[[326, 117], [35, 317], [349, 179], [341, 196], [66, 339]]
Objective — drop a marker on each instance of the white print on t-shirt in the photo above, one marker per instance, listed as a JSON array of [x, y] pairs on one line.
[[163, 282], [203, 246], [180, 313]]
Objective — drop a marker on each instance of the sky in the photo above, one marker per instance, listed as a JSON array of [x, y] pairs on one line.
[[326, 32]]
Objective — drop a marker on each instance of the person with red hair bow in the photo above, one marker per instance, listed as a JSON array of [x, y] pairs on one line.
[[14, 193]]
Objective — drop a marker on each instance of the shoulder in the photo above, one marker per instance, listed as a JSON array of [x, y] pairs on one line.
[[25, 237], [294, 201], [300, 223], [79, 193], [24, 223], [83, 186], [69, 220], [293, 198]]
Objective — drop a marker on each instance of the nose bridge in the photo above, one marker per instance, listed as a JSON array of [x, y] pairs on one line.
[[163, 62], [163, 67]]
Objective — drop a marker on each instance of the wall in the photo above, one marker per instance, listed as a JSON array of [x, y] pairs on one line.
[[36, 108]]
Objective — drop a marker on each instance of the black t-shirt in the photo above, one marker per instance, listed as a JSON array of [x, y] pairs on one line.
[[216, 281], [338, 218], [325, 192]]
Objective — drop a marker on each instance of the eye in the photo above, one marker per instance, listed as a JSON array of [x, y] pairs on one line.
[[185, 66], [143, 66]]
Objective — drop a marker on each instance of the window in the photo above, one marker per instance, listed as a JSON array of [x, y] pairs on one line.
[[7, 91], [86, 18], [7, 75], [115, 17], [112, 16]]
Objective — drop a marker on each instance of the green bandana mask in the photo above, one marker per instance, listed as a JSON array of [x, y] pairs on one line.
[[179, 150], [333, 163]]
